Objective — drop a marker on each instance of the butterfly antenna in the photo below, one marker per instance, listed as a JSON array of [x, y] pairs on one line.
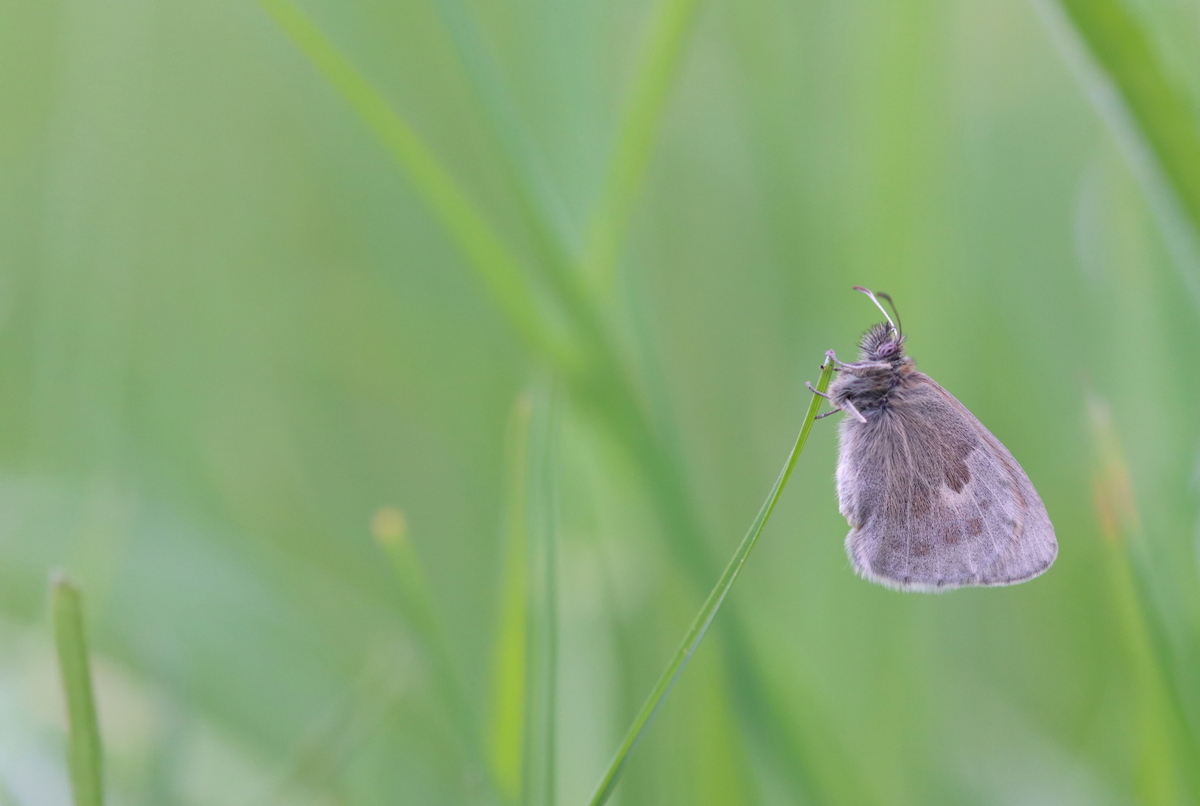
[[882, 310], [892, 305]]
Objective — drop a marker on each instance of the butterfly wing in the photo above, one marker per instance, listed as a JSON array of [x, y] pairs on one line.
[[935, 501]]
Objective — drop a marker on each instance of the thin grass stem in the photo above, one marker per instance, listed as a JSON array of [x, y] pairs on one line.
[[636, 133], [492, 261], [84, 757], [591, 361], [510, 679], [390, 530], [541, 203], [698, 629], [542, 714]]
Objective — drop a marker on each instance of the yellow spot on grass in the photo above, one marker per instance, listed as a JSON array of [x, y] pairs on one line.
[[389, 526]]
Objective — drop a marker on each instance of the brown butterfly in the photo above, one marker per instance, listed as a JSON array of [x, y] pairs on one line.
[[934, 501]]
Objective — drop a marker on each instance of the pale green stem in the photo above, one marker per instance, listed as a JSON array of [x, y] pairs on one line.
[[84, 760], [699, 627]]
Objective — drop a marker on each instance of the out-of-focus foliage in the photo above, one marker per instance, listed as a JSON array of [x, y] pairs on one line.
[[396, 377]]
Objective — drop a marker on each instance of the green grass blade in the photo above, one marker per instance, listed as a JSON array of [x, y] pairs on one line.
[[541, 738], [541, 203], [695, 634], [390, 530], [1158, 758], [83, 748], [511, 666], [1161, 114], [495, 265], [556, 257], [389, 527], [1167, 749], [597, 376], [327, 749], [636, 134], [602, 382]]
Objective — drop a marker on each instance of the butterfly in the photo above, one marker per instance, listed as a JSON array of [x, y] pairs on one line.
[[933, 499]]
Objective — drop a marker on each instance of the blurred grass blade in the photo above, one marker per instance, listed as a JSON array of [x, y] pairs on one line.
[[605, 384], [556, 256], [1159, 757], [598, 377], [636, 134], [540, 201], [1154, 111], [498, 269], [390, 530], [525, 703], [696, 632], [83, 747], [389, 527], [510, 680], [327, 749], [1167, 752], [542, 685]]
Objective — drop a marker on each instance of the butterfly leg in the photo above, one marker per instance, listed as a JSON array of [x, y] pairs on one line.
[[831, 356], [862, 365], [816, 391], [857, 414], [840, 365], [844, 406]]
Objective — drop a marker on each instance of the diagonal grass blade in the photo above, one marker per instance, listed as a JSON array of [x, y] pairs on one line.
[[695, 634], [489, 257]]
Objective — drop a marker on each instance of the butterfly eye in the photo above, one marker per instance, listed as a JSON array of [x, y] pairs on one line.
[[887, 348]]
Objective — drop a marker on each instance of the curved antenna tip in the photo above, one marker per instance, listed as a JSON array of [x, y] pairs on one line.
[[882, 310]]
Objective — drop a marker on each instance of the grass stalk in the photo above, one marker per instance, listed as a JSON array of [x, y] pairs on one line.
[[541, 204], [325, 751], [542, 691], [1151, 113], [489, 257], [1160, 755], [594, 370], [390, 530], [699, 627], [84, 757], [592, 365], [636, 133], [1167, 747], [510, 680]]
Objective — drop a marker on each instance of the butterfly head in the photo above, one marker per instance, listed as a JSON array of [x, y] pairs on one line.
[[884, 341]]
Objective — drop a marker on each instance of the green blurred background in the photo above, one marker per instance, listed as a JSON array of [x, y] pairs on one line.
[[396, 409]]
